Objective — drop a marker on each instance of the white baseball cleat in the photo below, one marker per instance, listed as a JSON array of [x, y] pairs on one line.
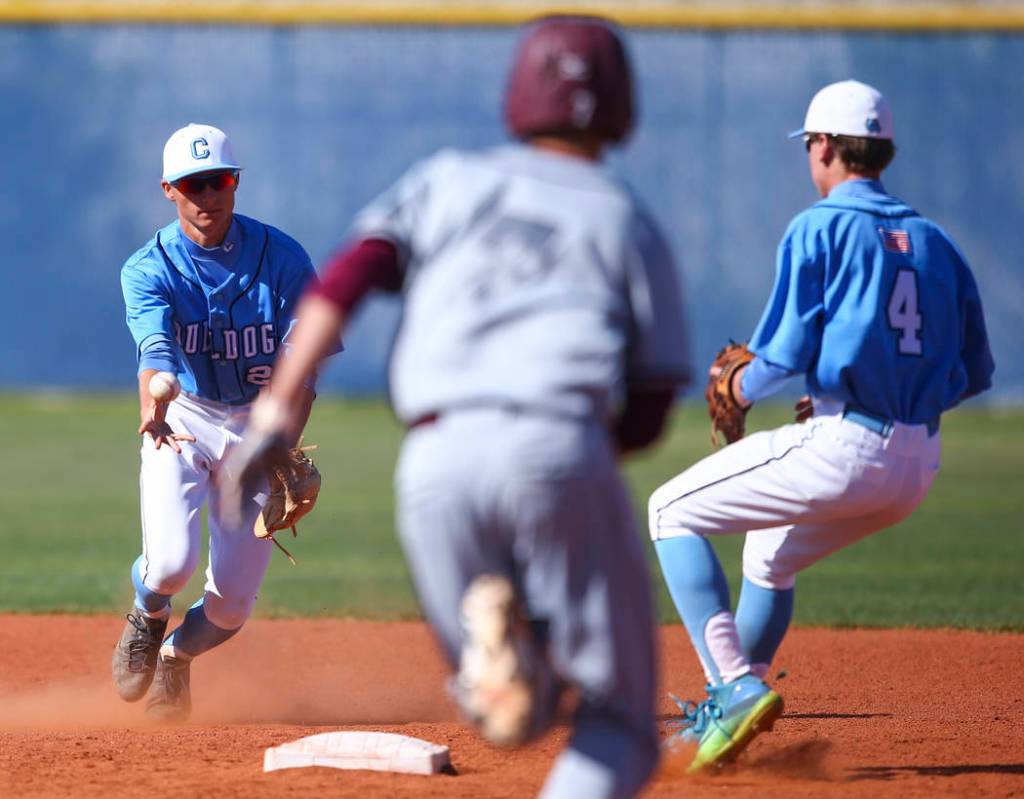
[[494, 682]]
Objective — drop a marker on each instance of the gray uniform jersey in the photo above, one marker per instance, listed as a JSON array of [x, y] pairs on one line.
[[535, 289], [504, 246]]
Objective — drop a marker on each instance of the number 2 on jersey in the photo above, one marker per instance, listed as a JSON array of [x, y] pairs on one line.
[[903, 313]]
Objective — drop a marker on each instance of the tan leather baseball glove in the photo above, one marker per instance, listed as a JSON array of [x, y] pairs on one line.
[[294, 487], [727, 416]]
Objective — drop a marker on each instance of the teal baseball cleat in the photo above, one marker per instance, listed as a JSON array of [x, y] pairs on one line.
[[726, 722]]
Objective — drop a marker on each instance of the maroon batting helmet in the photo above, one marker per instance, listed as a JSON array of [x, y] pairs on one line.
[[571, 74]]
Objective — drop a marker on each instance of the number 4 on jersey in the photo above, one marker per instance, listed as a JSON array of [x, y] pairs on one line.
[[903, 313]]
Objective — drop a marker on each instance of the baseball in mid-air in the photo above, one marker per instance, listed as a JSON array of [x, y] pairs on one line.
[[163, 386]]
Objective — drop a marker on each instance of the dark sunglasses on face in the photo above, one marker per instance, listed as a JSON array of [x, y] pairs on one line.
[[811, 138], [197, 185]]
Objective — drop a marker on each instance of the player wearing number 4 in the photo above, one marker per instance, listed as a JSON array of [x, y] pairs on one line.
[[878, 309], [209, 300]]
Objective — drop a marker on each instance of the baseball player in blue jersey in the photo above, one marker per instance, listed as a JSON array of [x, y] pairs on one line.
[[877, 308], [210, 301], [542, 337]]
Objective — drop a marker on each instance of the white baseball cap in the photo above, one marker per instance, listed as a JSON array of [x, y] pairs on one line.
[[197, 148], [848, 108]]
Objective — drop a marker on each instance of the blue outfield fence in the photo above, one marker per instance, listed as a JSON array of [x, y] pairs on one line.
[[324, 118]]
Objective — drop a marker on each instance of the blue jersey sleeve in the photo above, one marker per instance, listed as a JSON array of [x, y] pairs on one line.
[[789, 332], [762, 379], [158, 352], [975, 354], [149, 314]]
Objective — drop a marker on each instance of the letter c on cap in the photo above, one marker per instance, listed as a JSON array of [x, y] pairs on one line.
[[200, 149]]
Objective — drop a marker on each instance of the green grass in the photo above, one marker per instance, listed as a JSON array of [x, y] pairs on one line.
[[69, 494]]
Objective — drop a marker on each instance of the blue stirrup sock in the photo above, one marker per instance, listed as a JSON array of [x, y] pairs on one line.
[[762, 619], [701, 595], [146, 599], [197, 634]]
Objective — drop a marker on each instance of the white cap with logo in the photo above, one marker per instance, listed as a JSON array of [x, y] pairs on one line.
[[848, 108], [197, 148]]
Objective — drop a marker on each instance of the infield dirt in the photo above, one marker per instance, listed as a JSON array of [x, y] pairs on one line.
[[894, 713]]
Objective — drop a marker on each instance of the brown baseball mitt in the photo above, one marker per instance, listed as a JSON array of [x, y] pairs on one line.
[[294, 487], [727, 416]]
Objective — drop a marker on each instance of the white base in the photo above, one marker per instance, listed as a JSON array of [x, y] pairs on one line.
[[375, 751]]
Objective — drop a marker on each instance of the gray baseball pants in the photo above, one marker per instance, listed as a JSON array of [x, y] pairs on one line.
[[540, 499]]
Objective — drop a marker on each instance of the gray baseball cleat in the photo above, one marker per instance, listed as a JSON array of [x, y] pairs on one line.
[[170, 699], [494, 683], [134, 661]]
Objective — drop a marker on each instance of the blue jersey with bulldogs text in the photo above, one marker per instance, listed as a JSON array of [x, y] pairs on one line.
[[219, 329], [877, 306]]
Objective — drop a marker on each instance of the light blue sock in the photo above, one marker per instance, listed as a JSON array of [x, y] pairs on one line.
[[197, 633], [146, 599], [762, 618], [698, 587]]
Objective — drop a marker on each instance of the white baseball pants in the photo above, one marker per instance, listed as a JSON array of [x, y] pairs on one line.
[[806, 489], [174, 488]]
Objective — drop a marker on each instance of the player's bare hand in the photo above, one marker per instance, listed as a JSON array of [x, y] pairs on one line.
[[804, 409], [154, 425], [161, 434]]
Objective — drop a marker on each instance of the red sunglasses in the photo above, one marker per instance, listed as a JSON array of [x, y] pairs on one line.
[[197, 185]]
